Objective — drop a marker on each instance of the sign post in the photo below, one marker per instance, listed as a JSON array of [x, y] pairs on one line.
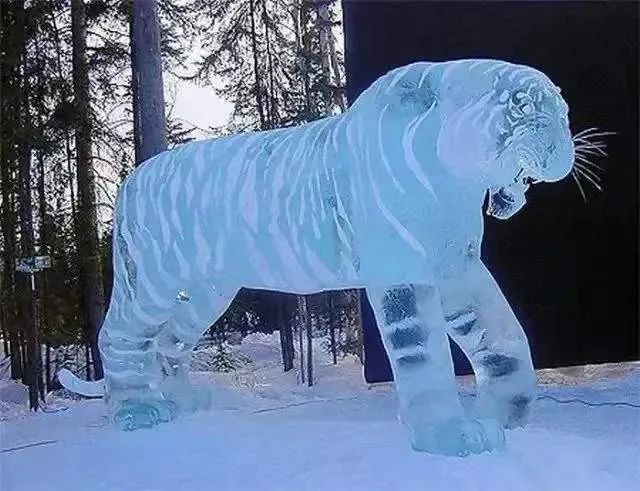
[[31, 265]]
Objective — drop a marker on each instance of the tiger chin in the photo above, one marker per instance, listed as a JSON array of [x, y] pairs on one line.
[[388, 197]]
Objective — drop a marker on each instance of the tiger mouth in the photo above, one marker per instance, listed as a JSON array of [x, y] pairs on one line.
[[504, 197], [503, 204]]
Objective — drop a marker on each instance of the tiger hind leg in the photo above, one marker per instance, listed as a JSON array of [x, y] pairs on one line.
[[131, 370], [411, 325], [146, 365], [196, 310]]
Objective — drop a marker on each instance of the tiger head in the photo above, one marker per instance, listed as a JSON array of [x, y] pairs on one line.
[[505, 126]]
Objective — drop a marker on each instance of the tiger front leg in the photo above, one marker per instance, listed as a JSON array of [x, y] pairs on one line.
[[481, 322], [412, 328], [175, 347]]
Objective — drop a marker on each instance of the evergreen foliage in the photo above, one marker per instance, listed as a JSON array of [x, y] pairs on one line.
[[64, 152]]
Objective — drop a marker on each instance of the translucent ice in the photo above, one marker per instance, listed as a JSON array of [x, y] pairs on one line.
[[387, 196]]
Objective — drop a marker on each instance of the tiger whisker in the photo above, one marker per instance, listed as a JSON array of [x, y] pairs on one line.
[[585, 151], [596, 147], [589, 178], [583, 161], [585, 131], [574, 175], [589, 155], [585, 170], [586, 137], [590, 143], [597, 135], [593, 132], [595, 171], [592, 175]]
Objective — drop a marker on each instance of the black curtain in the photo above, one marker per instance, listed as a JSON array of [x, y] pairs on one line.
[[568, 268]]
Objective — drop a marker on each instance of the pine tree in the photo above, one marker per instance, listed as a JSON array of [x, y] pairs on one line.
[[90, 271], [9, 76], [44, 179]]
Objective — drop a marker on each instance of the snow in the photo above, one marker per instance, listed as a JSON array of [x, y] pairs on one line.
[[269, 432]]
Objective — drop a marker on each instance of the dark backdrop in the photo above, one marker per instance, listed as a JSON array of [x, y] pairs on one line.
[[568, 268]]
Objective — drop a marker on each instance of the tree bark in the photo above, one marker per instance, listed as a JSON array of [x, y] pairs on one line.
[[304, 54], [150, 130], [330, 63], [23, 280], [91, 277], [332, 330], [9, 107], [256, 67], [301, 325], [272, 109], [5, 340], [359, 330], [47, 360], [337, 76], [309, 326], [324, 29], [23, 349], [286, 335], [87, 359], [42, 307]]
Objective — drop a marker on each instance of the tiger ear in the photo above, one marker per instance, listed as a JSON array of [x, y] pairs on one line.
[[405, 92], [407, 99]]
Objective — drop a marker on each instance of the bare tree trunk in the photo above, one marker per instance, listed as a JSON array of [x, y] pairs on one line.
[[23, 343], [41, 290], [256, 68], [324, 28], [338, 85], [87, 358], [150, 129], [47, 360], [8, 295], [301, 324], [303, 55], [332, 330], [286, 336], [5, 340], [42, 307], [309, 326], [337, 76], [23, 280], [359, 330], [9, 106], [87, 217], [273, 107]]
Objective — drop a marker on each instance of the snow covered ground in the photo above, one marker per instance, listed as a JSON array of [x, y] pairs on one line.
[[267, 432]]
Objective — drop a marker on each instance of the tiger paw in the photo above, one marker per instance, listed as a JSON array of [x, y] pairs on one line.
[[458, 437], [133, 414], [511, 410]]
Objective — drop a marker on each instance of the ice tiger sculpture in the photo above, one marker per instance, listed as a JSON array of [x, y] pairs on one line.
[[387, 196]]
